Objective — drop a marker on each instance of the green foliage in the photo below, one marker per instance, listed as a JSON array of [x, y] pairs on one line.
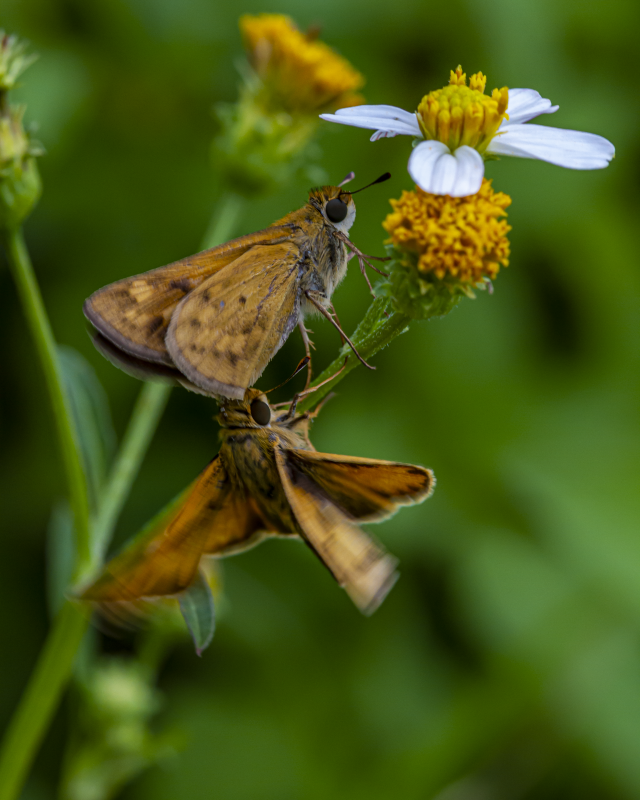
[[112, 742], [256, 152], [92, 419], [196, 605], [504, 663]]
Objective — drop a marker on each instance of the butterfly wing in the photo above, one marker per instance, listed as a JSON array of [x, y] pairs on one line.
[[357, 562], [134, 313], [367, 489], [213, 519], [223, 334]]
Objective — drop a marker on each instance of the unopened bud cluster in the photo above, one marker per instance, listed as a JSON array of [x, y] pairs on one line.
[[290, 78], [19, 178]]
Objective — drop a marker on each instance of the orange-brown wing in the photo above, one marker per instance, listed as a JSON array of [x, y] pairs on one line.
[[357, 562], [224, 333], [213, 519], [134, 313], [366, 489]]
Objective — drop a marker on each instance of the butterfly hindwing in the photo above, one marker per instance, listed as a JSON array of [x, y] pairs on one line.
[[366, 489], [223, 334], [357, 562]]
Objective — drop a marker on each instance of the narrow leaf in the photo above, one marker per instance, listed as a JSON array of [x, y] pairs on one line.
[[196, 605], [91, 416]]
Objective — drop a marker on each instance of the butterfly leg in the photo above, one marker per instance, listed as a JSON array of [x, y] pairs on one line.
[[363, 261], [335, 314], [308, 344], [310, 297], [297, 397]]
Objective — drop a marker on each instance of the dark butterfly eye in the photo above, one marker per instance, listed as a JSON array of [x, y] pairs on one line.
[[336, 210], [260, 412]]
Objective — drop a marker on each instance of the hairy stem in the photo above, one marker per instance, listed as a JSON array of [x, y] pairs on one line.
[[38, 322], [374, 332]]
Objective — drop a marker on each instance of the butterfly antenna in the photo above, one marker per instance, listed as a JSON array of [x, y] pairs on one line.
[[381, 179], [303, 363], [348, 178]]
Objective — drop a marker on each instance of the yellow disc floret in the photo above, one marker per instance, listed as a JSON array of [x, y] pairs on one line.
[[459, 238], [300, 73], [463, 115]]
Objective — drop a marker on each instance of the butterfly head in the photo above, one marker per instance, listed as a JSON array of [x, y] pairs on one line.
[[337, 207], [253, 411]]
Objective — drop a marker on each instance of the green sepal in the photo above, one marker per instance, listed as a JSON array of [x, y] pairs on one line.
[[421, 295]]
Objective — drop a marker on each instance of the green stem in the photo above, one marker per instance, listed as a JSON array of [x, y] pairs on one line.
[[224, 220], [374, 332], [142, 425], [55, 663], [40, 699], [36, 315], [149, 407]]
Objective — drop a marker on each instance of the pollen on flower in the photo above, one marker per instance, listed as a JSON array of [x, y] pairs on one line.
[[463, 115], [300, 73], [456, 239]]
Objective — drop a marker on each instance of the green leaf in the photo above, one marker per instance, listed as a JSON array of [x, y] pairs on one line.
[[196, 605], [91, 416]]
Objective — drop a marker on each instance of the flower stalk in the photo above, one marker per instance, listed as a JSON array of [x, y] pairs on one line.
[[54, 667], [379, 327], [146, 415], [38, 321], [40, 699]]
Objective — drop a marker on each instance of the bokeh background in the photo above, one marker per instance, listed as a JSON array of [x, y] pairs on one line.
[[506, 661]]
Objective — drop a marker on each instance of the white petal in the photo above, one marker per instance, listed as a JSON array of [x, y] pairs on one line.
[[382, 135], [572, 149], [390, 119], [386, 112], [435, 169], [525, 104]]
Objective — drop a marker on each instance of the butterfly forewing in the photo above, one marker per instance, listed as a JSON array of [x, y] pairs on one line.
[[366, 489], [211, 520], [134, 313], [223, 334]]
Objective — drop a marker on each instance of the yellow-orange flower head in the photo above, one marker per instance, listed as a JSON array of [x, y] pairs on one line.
[[300, 74], [463, 115], [458, 240]]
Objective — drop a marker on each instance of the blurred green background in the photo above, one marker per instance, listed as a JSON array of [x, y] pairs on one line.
[[505, 664]]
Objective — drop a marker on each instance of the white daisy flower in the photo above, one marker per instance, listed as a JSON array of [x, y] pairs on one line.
[[462, 126]]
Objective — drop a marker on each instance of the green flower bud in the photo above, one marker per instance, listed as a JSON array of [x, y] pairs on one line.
[[265, 138], [13, 60], [20, 184]]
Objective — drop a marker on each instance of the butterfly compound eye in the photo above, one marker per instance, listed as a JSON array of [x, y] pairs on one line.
[[260, 412], [336, 210]]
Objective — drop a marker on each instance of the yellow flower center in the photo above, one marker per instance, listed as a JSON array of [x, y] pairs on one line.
[[459, 238], [301, 74], [459, 114]]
